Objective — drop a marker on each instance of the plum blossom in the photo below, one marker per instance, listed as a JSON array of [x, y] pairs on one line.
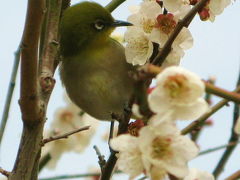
[[195, 174], [139, 48], [166, 23], [178, 92], [216, 7], [129, 157], [156, 151], [180, 7], [146, 17]]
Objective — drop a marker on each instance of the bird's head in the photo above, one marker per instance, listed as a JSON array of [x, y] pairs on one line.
[[85, 23]]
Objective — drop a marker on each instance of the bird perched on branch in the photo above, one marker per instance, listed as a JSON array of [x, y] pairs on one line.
[[93, 68]]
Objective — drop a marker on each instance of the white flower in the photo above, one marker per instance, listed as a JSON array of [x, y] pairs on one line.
[[216, 7], [180, 7], [160, 34], [237, 126], [157, 151], [195, 174], [146, 17], [129, 160], [179, 92], [183, 41], [139, 48], [164, 148]]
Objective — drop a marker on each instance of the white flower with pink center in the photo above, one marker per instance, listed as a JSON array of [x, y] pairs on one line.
[[178, 92]]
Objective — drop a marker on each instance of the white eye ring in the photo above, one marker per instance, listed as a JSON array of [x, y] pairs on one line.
[[99, 25]]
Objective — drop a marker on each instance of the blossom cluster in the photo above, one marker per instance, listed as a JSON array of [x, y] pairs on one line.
[[159, 148], [155, 20], [67, 119]]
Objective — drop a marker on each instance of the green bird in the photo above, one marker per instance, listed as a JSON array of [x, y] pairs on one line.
[[94, 70]]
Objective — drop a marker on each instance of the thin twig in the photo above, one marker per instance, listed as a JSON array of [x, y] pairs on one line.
[[113, 5], [233, 138], [74, 176], [232, 96], [43, 161], [4, 172], [64, 136], [234, 176], [163, 53], [11, 87], [217, 148], [101, 158], [122, 128], [200, 121]]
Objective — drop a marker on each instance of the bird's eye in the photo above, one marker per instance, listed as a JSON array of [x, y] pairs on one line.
[[99, 25]]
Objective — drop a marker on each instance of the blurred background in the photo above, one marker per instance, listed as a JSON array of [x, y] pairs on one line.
[[216, 52]]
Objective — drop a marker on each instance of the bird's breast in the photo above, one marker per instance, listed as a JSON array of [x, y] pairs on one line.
[[98, 82]]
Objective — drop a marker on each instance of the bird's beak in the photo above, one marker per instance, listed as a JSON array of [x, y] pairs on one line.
[[118, 23]]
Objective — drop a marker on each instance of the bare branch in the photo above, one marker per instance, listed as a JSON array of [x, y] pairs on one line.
[[234, 176], [231, 96], [200, 121], [122, 128], [4, 172], [11, 87], [101, 160], [29, 99], [114, 4], [233, 138], [64, 136]]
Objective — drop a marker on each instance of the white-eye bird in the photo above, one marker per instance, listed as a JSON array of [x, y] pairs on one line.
[[94, 70]]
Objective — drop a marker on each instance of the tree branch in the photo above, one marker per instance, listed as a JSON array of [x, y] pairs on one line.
[[122, 128], [64, 136], [34, 98], [212, 89], [163, 53], [29, 99], [200, 121], [76, 176], [234, 176], [11, 87], [113, 5], [4, 172], [217, 148], [233, 139], [101, 160]]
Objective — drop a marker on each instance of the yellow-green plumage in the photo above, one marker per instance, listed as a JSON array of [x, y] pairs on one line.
[[94, 69]]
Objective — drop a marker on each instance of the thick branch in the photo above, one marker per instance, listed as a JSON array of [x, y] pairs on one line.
[[163, 53], [34, 100], [51, 37], [29, 99]]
